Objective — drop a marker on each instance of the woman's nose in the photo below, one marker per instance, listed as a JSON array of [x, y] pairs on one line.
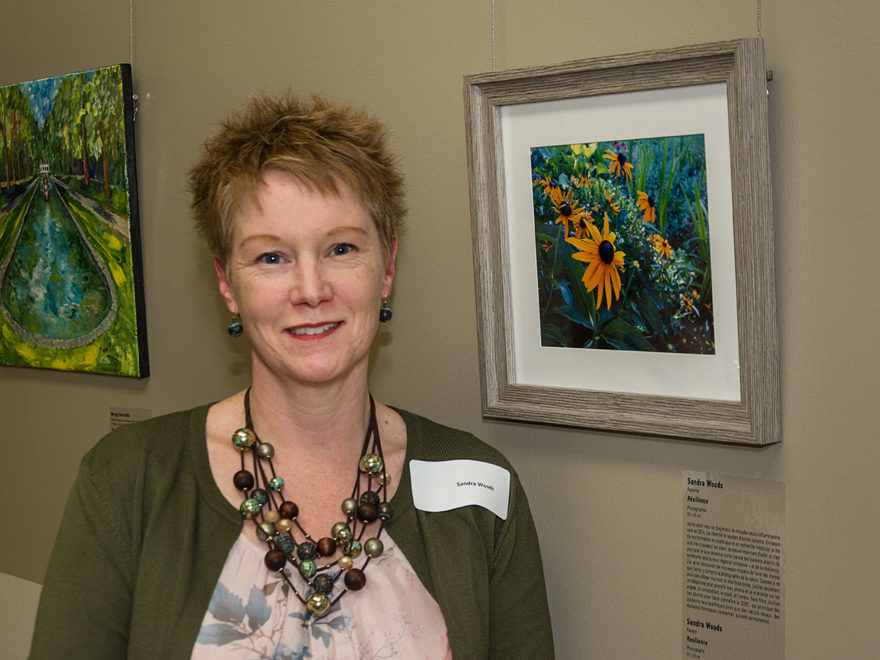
[[310, 284]]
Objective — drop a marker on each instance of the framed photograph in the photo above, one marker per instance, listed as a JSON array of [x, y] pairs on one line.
[[623, 243], [71, 284]]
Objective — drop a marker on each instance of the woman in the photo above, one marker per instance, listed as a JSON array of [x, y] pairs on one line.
[[285, 521]]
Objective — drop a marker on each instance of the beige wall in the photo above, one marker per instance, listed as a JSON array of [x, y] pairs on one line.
[[607, 506]]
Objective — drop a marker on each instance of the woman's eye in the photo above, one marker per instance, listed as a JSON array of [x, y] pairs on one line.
[[269, 258], [342, 248]]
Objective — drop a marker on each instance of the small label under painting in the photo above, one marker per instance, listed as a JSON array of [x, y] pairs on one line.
[[122, 416]]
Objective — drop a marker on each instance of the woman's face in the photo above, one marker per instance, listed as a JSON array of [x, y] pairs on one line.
[[306, 273]]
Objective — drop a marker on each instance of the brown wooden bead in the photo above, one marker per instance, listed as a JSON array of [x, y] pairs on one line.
[[243, 480], [326, 546], [288, 510], [367, 513], [355, 579], [275, 560]]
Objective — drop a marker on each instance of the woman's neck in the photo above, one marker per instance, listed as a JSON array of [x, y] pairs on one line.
[[327, 421]]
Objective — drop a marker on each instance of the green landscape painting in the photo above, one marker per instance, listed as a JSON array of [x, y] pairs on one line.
[[622, 245], [71, 288]]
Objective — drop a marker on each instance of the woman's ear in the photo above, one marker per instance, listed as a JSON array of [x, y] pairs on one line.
[[389, 268], [225, 287]]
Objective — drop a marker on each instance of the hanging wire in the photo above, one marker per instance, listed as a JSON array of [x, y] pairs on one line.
[[769, 73], [493, 35], [759, 18], [131, 32], [135, 99]]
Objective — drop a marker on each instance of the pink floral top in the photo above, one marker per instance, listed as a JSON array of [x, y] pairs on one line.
[[252, 614]]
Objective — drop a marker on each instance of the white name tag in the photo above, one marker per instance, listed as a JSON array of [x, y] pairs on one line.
[[445, 485]]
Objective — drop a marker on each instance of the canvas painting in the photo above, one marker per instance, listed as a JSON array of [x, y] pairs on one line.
[[622, 245], [71, 289]]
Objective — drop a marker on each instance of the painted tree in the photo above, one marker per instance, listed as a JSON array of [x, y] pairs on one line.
[[18, 126], [4, 97], [105, 109]]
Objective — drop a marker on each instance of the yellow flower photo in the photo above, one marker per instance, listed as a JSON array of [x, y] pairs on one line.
[[622, 253]]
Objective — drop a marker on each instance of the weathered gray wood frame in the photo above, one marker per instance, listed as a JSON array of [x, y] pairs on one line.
[[755, 420]]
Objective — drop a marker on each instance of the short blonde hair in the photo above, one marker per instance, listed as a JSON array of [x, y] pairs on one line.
[[319, 143]]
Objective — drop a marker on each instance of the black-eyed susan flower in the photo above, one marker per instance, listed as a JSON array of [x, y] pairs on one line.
[[603, 261], [645, 203], [581, 181], [567, 208], [580, 227], [545, 184], [687, 303], [614, 205], [618, 165], [661, 245]]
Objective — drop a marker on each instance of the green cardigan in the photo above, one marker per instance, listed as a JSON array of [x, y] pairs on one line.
[[146, 532]]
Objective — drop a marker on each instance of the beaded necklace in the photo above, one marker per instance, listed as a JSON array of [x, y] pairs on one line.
[[275, 522]]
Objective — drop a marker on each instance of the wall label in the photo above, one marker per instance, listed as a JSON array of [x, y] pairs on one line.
[[733, 558], [122, 416]]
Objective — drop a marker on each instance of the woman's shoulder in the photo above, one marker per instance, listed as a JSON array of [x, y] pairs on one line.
[[434, 441]]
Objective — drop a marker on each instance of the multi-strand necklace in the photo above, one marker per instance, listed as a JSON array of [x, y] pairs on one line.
[[276, 522]]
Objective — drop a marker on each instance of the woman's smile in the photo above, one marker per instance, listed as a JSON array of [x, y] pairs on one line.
[[316, 331]]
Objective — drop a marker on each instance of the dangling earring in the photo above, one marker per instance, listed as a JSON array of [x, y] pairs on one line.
[[384, 311], [235, 328]]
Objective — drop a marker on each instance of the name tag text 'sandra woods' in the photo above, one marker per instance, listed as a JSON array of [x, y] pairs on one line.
[[447, 485]]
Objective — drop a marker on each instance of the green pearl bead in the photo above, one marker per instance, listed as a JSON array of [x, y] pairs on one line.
[[352, 548], [266, 530], [249, 508], [374, 547], [276, 484], [349, 506], [265, 450], [341, 532], [318, 605], [307, 568], [243, 439]]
